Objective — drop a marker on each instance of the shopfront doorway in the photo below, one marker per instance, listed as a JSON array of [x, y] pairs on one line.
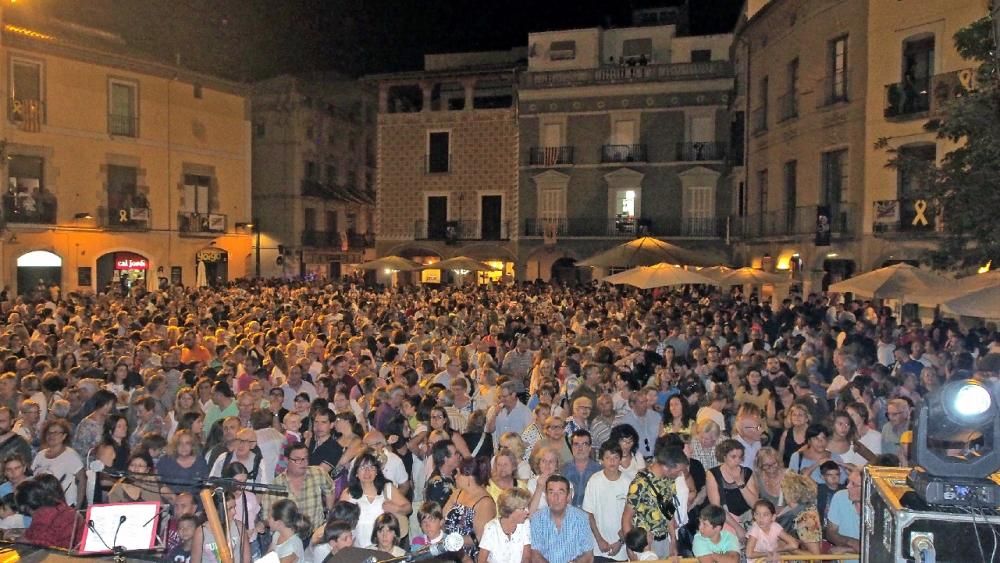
[[38, 269], [124, 270]]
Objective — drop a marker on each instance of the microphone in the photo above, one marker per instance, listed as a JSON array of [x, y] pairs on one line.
[[114, 542], [93, 528], [451, 542]]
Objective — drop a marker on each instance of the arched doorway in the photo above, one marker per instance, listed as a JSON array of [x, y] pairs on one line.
[[836, 271], [565, 272], [38, 268], [125, 269], [216, 261]]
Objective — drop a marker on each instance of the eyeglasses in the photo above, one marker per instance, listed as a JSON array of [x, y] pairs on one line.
[[242, 441]]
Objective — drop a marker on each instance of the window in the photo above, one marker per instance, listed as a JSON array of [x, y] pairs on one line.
[[790, 101], [438, 152], [640, 49], [26, 199], [760, 114], [27, 97], [309, 169], [916, 161], [791, 184], [126, 204], [196, 193], [309, 219], [123, 104], [626, 209], [762, 201], [562, 51], [834, 177], [331, 222], [352, 179], [331, 174], [838, 70], [699, 211], [701, 55]]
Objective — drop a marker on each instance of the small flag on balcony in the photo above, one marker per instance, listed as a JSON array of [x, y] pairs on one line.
[[31, 115]]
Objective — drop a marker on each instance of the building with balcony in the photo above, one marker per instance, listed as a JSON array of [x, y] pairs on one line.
[[447, 160], [313, 174], [622, 132], [820, 83], [121, 169]]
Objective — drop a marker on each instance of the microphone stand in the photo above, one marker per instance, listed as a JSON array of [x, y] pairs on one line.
[[224, 484]]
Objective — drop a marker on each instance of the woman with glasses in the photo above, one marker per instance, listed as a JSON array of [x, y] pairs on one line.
[[628, 439], [794, 436], [439, 421], [374, 494], [768, 473], [138, 487], [61, 461], [507, 538]]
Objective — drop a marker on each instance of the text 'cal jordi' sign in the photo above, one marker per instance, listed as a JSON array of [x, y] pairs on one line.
[[129, 261]]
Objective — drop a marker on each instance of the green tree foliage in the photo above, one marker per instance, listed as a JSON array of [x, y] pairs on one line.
[[965, 185]]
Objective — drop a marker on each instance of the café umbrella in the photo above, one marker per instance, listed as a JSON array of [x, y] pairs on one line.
[[753, 276], [659, 275], [645, 251], [391, 263], [892, 282]]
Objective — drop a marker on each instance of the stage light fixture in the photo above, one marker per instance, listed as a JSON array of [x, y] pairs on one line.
[[956, 446]]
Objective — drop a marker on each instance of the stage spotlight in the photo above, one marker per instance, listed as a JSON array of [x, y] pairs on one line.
[[956, 446]]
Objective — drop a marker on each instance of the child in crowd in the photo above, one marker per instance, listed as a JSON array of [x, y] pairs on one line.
[[766, 537], [431, 520], [338, 535], [830, 471], [638, 546], [10, 519], [712, 544], [385, 534], [186, 526]]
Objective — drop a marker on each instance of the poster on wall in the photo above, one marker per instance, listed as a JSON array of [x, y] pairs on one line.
[[175, 275], [83, 276]]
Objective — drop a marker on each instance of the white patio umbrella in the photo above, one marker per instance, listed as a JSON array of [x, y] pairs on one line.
[[983, 303], [645, 251], [753, 276], [958, 288], [660, 275], [200, 278], [898, 281]]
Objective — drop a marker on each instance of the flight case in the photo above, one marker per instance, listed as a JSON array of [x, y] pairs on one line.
[[893, 517]]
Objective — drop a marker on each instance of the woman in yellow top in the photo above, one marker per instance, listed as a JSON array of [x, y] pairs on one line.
[[503, 475]]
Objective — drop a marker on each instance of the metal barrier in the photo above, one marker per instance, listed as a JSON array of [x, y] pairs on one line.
[[782, 557]]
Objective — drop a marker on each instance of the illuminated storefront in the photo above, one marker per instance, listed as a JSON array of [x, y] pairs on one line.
[[123, 269]]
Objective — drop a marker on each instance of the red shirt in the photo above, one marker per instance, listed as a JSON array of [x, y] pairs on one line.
[[54, 526]]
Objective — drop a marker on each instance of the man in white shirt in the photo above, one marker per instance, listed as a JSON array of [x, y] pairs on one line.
[[392, 467]]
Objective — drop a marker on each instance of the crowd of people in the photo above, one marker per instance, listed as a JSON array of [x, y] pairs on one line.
[[537, 422]]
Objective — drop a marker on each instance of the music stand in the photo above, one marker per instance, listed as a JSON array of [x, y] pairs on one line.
[[129, 526]]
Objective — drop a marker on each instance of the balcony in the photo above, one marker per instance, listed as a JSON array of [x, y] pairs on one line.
[[627, 227], [788, 106], [550, 156], [908, 216], [437, 163], [623, 153], [697, 152], [758, 120], [454, 231], [795, 221], [908, 99], [617, 74], [191, 223], [37, 207], [334, 239], [130, 219], [123, 125]]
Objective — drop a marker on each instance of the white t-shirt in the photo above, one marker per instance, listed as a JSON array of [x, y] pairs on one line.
[[394, 469], [292, 546], [504, 549], [64, 467], [605, 499], [873, 441]]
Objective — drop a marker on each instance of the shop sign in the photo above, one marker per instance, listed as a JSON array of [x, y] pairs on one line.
[[125, 261]]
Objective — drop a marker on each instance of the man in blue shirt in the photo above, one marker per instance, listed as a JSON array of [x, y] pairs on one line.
[[579, 470], [561, 533], [843, 526]]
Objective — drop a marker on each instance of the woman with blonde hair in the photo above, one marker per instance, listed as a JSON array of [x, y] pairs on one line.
[[800, 516], [503, 474], [704, 438], [507, 538], [512, 441], [768, 472], [185, 401]]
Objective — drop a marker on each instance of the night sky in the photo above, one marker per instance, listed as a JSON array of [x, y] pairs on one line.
[[252, 39]]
